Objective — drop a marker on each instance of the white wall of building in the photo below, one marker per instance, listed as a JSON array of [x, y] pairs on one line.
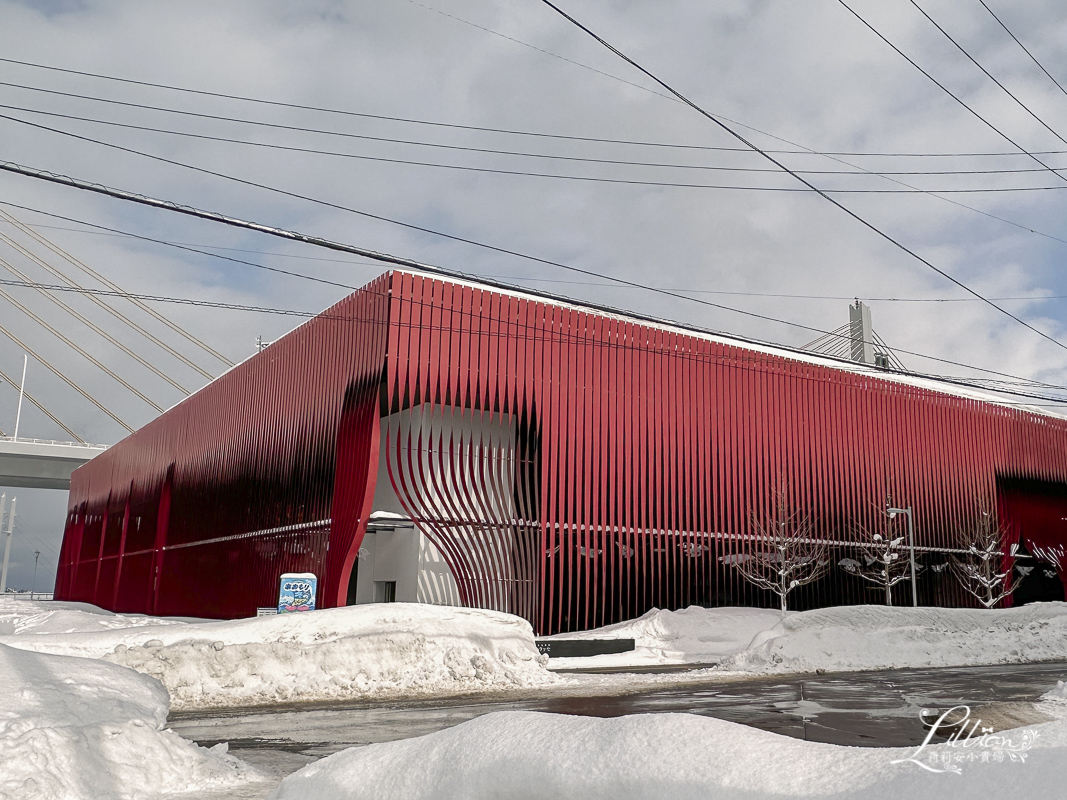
[[394, 550]]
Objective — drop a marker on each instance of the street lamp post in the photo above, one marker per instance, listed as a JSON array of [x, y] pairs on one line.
[[892, 512], [33, 586]]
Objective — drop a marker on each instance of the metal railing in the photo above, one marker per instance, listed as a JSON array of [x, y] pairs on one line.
[[24, 440]]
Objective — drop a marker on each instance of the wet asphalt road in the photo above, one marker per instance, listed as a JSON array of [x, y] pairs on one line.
[[874, 709]]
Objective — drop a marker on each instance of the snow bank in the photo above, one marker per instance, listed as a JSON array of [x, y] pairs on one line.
[[523, 754], [82, 728], [1058, 695], [692, 635], [379, 651], [840, 639], [18, 617], [848, 638]]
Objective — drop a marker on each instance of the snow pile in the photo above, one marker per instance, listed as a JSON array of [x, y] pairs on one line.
[[692, 635], [1057, 695], [846, 638], [19, 617], [520, 754], [380, 651], [82, 728]]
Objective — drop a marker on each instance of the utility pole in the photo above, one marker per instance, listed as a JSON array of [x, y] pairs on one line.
[[18, 417], [7, 542], [33, 586]]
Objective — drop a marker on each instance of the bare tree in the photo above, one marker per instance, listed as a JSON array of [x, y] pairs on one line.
[[883, 562], [980, 568], [785, 552]]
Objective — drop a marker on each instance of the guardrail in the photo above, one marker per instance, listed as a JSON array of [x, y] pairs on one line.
[[24, 440]]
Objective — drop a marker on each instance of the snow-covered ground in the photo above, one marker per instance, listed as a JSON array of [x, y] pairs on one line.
[[83, 728], [21, 616], [380, 651], [521, 754], [692, 635], [74, 725], [848, 638], [838, 639]]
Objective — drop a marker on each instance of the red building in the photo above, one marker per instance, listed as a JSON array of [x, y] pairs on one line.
[[503, 450]]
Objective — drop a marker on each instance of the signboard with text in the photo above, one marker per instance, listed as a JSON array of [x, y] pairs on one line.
[[296, 592]]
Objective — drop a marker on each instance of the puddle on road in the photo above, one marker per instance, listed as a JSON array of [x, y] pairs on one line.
[[872, 709]]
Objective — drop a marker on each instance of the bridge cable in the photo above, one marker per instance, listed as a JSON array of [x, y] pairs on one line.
[[77, 349], [41, 407], [112, 285], [89, 323]]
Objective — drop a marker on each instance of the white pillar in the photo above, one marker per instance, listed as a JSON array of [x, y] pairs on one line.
[[861, 332], [7, 544]]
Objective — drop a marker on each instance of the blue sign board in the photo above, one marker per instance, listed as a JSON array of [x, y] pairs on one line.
[[296, 592]]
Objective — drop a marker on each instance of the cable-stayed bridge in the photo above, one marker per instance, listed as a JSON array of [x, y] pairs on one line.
[[121, 343]]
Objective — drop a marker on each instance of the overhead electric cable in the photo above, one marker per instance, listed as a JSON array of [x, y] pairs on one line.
[[948, 91], [448, 125], [541, 50], [1023, 46], [62, 376], [365, 262], [787, 189], [613, 162], [988, 74], [803, 150], [111, 284], [189, 248], [91, 187], [436, 270], [44, 410], [1003, 386], [800, 178]]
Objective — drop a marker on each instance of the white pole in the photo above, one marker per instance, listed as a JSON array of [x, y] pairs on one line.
[[33, 586], [3, 508], [7, 546], [911, 547], [892, 512], [18, 415]]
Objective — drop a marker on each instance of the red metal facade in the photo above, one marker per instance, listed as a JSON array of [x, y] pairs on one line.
[[635, 460]]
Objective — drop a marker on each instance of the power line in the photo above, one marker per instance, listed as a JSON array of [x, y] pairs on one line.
[[436, 270], [949, 92], [189, 248], [803, 180], [1016, 39], [988, 74], [803, 150], [455, 126], [595, 179], [506, 251], [1001, 386], [459, 148], [724, 292]]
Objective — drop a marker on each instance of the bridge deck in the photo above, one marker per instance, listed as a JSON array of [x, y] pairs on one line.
[[42, 464]]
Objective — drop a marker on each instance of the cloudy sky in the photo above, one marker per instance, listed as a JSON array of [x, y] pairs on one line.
[[421, 81]]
